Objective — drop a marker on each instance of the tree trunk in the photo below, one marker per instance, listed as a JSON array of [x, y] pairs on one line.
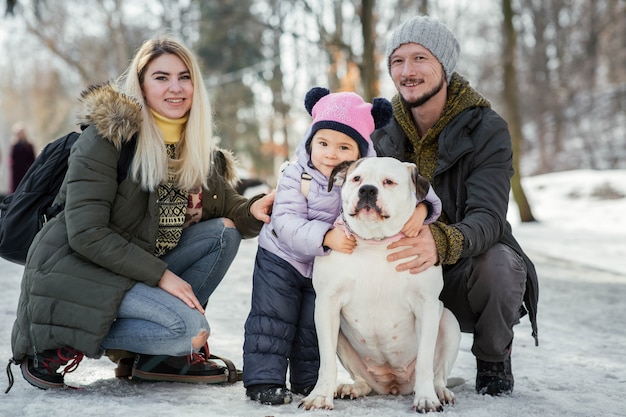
[[369, 67], [511, 100]]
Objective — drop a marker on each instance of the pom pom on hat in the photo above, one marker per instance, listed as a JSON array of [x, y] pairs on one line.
[[313, 96], [382, 111], [348, 113], [432, 35]]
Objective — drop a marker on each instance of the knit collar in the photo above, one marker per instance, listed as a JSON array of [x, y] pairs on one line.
[[461, 96], [170, 128]]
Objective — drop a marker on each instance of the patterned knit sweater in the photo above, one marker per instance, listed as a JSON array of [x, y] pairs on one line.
[[178, 208]]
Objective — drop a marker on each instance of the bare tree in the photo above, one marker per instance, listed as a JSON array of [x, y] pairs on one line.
[[571, 51], [94, 57], [369, 65], [511, 100], [77, 43], [571, 69], [231, 46]]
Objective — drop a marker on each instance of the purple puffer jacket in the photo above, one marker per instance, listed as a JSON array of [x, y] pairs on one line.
[[299, 223]]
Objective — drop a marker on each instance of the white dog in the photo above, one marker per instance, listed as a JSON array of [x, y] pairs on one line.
[[389, 329]]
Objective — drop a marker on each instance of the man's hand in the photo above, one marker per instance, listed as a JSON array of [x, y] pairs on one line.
[[336, 239], [179, 288], [422, 248], [262, 208]]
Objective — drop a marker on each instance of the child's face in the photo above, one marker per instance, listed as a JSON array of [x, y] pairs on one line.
[[329, 148]]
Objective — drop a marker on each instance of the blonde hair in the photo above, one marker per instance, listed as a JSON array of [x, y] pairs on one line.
[[194, 163]]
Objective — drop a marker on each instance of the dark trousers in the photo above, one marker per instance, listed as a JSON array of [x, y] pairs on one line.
[[280, 329], [485, 293]]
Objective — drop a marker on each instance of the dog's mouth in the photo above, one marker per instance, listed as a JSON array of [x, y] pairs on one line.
[[366, 209]]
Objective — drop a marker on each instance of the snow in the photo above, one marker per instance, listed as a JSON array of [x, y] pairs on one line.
[[579, 369]]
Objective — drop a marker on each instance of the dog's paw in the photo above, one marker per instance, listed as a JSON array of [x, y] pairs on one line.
[[426, 405], [445, 395], [316, 402], [346, 391], [352, 391]]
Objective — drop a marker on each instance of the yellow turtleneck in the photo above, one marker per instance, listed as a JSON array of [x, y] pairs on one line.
[[170, 128], [173, 202]]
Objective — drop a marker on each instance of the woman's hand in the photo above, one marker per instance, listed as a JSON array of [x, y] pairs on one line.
[[262, 208], [179, 288]]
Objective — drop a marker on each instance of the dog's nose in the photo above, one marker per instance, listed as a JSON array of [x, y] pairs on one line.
[[368, 191]]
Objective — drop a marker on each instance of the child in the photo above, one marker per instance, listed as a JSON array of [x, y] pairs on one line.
[[280, 329]]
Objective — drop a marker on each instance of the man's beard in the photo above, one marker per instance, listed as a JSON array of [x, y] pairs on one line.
[[427, 96]]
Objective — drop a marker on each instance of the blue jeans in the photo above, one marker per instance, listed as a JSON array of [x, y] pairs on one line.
[[154, 322]]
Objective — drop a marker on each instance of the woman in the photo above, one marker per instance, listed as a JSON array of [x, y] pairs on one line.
[[130, 266]]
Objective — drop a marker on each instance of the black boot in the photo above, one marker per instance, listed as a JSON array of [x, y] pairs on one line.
[[41, 370], [269, 394], [494, 378], [304, 390]]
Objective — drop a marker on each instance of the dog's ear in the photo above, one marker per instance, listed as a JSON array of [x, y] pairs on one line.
[[421, 184], [338, 175]]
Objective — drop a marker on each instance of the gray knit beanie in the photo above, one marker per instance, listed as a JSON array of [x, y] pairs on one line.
[[432, 35]]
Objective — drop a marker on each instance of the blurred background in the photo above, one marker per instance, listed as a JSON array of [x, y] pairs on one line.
[[555, 69]]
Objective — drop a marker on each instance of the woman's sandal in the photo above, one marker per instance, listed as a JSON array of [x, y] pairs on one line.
[[234, 374], [124, 368]]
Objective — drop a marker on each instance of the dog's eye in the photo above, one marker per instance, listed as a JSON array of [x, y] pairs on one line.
[[388, 182], [356, 178]]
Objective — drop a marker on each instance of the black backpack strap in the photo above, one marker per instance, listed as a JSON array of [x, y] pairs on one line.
[[126, 158]]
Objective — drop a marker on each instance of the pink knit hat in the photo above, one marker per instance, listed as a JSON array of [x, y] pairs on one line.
[[347, 113]]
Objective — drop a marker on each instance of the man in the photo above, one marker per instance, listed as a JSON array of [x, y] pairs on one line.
[[464, 148]]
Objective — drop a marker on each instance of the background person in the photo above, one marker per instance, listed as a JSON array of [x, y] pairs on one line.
[[22, 155]]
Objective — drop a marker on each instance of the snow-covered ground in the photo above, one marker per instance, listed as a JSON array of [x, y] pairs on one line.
[[579, 368]]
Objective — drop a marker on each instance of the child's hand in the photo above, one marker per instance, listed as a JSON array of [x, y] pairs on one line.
[[414, 224], [336, 239]]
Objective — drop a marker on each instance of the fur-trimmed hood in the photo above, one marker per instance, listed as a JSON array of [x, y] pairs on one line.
[[118, 118], [115, 116]]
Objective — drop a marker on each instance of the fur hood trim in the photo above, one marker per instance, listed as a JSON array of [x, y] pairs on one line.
[[118, 118], [115, 116], [227, 166]]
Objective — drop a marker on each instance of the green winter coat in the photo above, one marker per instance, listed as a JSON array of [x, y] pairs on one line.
[[84, 260]]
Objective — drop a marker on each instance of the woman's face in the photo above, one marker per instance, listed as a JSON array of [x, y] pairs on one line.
[[167, 86]]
